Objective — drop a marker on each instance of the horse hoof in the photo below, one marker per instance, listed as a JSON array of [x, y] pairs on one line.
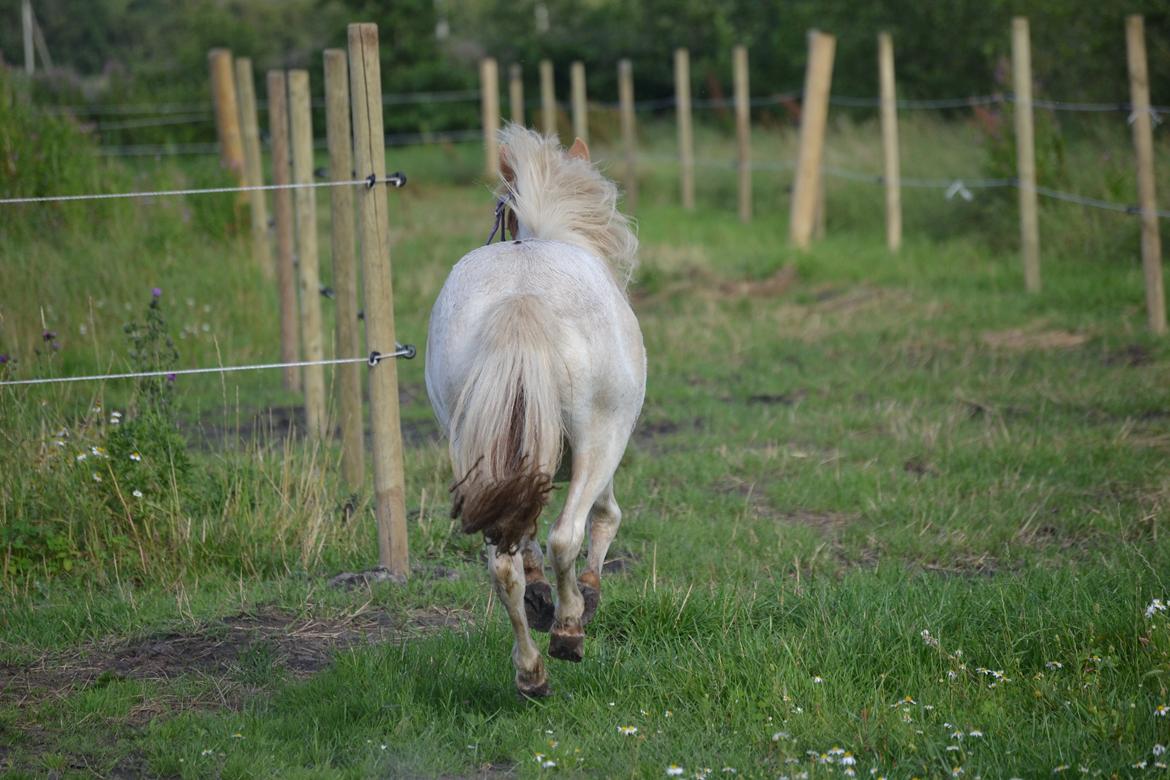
[[538, 606], [541, 691], [567, 646], [592, 597], [590, 586]]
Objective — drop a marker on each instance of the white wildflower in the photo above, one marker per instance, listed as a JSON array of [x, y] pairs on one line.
[[674, 770]]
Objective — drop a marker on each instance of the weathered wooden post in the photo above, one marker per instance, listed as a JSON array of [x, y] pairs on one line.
[[308, 262], [548, 98], [227, 112], [253, 164], [1143, 142], [349, 377], [489, 92], [743, 132], [891, 172], [370, 158], [629, 132], [580, 105], [686, 143], [516, 92], [283, 210], [1025, 153], [814, 112]]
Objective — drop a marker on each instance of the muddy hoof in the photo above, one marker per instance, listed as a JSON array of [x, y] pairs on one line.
[[592, 597], [566, 646], [541, 691], [538, 606]]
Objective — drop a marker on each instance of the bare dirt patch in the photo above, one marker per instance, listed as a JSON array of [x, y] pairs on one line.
[[1028, 339], [703, 283], [277, 639]]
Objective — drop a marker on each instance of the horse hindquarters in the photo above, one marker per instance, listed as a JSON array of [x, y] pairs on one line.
[[505, 431], [505, 427]]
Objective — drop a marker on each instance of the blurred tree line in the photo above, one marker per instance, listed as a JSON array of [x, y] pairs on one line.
[[154, 51]]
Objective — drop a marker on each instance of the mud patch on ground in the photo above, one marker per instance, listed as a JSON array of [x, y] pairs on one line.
[[233, 647], [277, 424], [1130, 356], [653, 435]]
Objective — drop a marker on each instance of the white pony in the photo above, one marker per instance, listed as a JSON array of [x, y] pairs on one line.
[[533, 344]]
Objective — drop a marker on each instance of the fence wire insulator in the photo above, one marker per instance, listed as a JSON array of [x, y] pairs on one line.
[[397, 180]]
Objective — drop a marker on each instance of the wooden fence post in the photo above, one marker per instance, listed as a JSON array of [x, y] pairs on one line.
[[686, 142], [580, 105], [227, 112], [516, 92], [253, 165], [743, 131], [891, 171], [489, 91], [1025, 153], [629, 132], [1143, 141], [814, 113], [308, 263], [349, 377], [548, 98], [283, 210], [370, 158]]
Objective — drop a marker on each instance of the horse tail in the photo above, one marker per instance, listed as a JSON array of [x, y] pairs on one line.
[[506, 431]]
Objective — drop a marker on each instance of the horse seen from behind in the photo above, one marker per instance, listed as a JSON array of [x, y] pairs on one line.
[[533, 346]]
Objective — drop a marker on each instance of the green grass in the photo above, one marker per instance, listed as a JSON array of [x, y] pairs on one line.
[[889, 445]]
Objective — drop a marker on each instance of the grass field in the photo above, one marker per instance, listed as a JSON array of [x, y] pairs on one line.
[[883, 514]]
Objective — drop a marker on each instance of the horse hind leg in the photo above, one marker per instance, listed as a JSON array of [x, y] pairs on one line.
[[508, 578], [591, 475], [538, 596], [604, 519]]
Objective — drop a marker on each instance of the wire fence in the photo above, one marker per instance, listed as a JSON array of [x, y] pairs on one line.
[[175, 114]]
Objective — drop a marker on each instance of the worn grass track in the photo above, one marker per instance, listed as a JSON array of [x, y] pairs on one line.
[[839, 451]]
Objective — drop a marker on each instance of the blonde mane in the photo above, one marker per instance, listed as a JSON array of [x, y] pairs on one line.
[[559, 197]]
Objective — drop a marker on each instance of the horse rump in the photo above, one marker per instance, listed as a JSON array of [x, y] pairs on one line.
[[506, 429]]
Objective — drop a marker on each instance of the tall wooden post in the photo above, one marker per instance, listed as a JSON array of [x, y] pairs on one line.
[[814, 113], [548, 98], [891, 170], [686, 143], [743, 131], [349, 376], [227, 112], [1025, 153], [629, 132], [1143, 142], [516, 92], [370, 157], [489, 86], [580, 105], [26, 23], [282, 202], [308, 262], [253, 165]]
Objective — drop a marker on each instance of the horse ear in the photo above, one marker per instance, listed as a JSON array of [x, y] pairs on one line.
[[506, 169], [579, 150]]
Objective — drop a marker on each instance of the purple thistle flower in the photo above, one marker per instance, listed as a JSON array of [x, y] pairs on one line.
[[170, 378], [156, 292], [3, 359], [49, 335]]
